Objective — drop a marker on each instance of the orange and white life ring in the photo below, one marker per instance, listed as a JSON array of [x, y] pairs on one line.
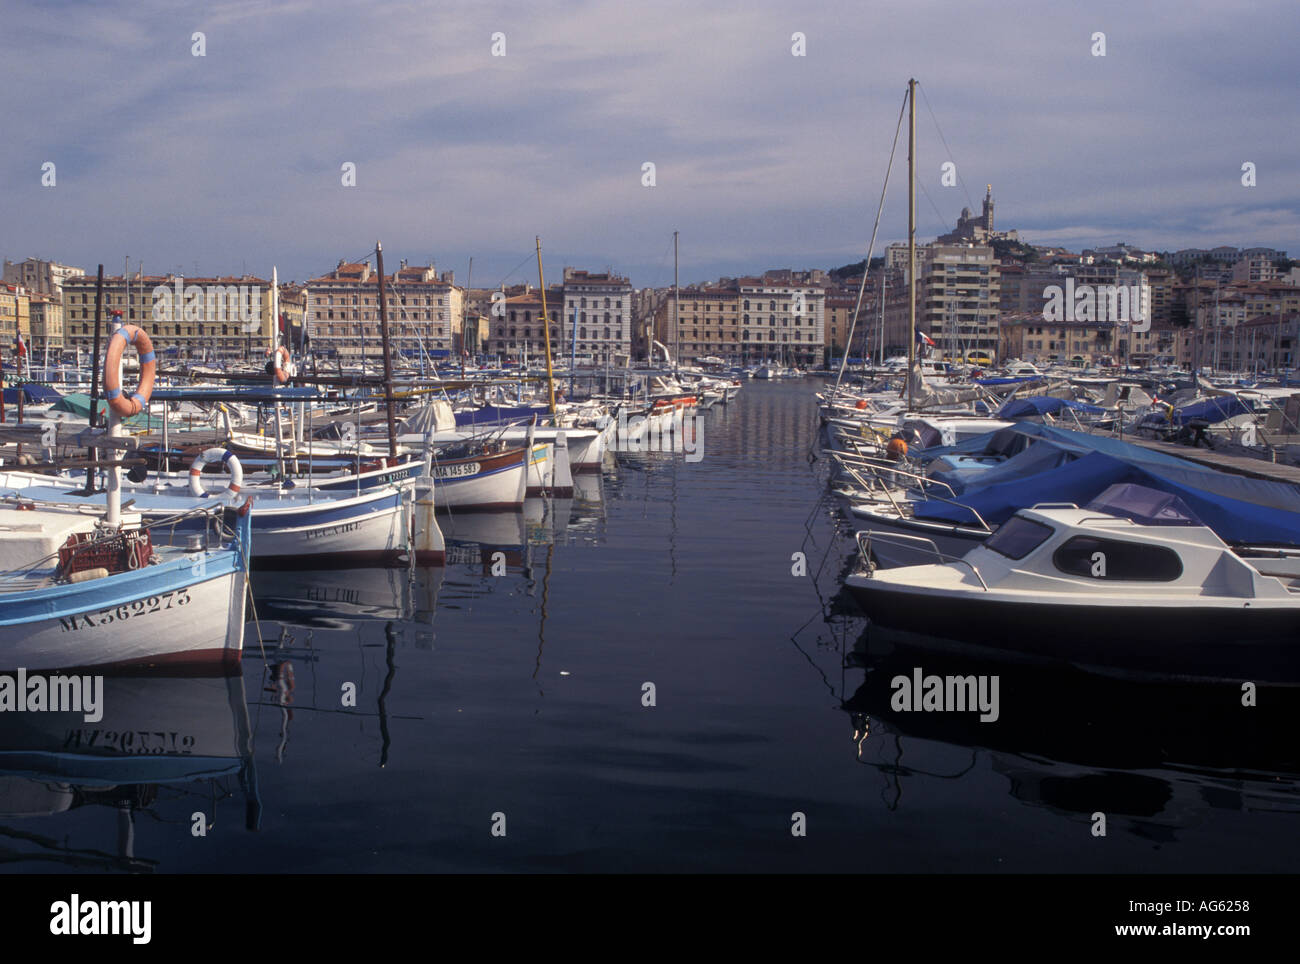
[[283, 365], [126, 406], [227, 458]]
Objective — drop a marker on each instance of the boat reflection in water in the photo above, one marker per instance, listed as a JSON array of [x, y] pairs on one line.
[[1154, 757], [375, 610], [166, 746], [337, 598], [480, 541]]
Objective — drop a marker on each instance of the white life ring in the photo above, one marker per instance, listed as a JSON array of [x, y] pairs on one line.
[[225, 456], [284, 369]]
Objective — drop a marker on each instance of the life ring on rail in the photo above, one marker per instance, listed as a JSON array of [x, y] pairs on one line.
[[283, 364], [226, 457], [126, 406]]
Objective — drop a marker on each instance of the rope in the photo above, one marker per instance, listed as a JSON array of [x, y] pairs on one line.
[[969, 202], [866, 268]]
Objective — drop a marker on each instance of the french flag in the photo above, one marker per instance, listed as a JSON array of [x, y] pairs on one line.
[[20, 346], [923, 339]]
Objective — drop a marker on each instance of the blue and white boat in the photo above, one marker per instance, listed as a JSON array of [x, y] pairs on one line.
[[79, 589], [290, 527]]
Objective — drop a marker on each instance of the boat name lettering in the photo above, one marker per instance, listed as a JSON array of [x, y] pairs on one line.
[[456, 470], [334, 530], [136, 742], [120, 614]]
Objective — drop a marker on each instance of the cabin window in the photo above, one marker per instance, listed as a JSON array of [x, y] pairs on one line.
[[1117, 559], [1018, 537]]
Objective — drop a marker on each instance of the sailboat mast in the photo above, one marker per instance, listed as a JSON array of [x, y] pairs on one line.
[[464, 348], [677, 304], [390, 417], [546, 328], [911, 237], [881, 345]]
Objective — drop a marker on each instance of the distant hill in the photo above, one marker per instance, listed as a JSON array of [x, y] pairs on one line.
[[855, 269]]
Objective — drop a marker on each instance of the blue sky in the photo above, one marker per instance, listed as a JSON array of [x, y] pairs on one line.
[[231, 161]]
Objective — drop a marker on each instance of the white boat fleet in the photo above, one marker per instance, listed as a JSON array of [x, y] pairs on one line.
[[132, 545], [937, 477]]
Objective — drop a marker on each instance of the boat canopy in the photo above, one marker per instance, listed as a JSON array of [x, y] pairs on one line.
[[78, 404], [1044, 405], [489, 414], [239, 393], [32, 394], [1148, 507]]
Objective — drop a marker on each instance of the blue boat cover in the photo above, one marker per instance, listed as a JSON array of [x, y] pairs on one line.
[[1066, 466], [1044, 405], [32, 395], [1009, 381], [499, 413], [1218, 408]]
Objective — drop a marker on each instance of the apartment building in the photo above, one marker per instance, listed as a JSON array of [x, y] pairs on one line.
[[227, 316], [958, 296], [424, 312]]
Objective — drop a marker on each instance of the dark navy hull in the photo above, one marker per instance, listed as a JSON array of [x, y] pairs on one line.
[[1260, 645]]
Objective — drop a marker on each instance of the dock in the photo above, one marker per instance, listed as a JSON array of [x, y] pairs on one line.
[[1234, 464]]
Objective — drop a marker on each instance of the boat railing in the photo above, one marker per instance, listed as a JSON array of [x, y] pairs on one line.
[[1108, 520], [877, 465], [961, 505], [864, 548]]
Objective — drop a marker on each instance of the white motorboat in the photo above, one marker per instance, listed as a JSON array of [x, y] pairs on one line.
[[1133, 582]]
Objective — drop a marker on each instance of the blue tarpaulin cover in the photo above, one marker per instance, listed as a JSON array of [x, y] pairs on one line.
[[1008, 381], [1044, 405], [1216, 409], [32, 395], [1065, 466], [499, 413]]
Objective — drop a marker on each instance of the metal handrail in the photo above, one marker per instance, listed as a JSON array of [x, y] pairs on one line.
[[885, 488], [865, 552], [961, 505], [1106, 518], [890, 467]]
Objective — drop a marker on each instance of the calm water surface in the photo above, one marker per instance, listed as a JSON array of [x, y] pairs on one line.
[[518, 698]]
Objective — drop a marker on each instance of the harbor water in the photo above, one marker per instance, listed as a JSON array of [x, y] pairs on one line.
[[660, 674]]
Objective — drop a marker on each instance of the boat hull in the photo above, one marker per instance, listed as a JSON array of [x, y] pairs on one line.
[[952, 541], [1230, 642], [485, 484], [371, 533], [188, 612]]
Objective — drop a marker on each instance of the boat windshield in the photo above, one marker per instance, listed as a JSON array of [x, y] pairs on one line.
[[1018, 537], [1145, 506]]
